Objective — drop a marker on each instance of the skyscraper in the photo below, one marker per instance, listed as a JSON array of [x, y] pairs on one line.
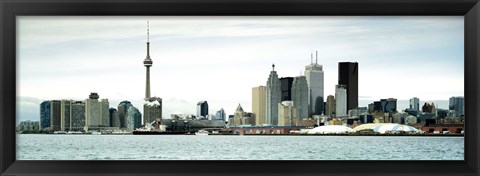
[[114, 118], [315, 80], [273, 97], [415, 103], [286, 88], [348, 76], [202, 109], [44, 115], [134, 118], [300, 97], [330, 109], [456, 104], [122, 112], [341, 100], [259, 104], [220, 115], [148, 63]]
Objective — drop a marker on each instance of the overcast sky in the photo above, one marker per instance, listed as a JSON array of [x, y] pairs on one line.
[[220, 59]]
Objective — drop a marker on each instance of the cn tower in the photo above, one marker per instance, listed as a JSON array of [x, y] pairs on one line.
[[148, 63]]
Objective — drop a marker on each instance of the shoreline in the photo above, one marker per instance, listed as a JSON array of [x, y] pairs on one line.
[[351, 134]]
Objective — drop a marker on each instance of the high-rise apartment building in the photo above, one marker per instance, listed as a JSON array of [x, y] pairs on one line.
[[315, 80], [415, 103], [77, 109], [65, 116], [45, 115], [55, 115], [330, 109], [456, 105], [105, 113], [202, 109], [341, 100], [259, 96], [348, 76], [273, 97], [300, 97], [96, 112], [286, 88]]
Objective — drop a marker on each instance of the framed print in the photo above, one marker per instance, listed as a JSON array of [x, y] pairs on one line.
[[240, 87]]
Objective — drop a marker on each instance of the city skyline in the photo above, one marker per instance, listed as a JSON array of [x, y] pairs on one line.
[[101, 51]]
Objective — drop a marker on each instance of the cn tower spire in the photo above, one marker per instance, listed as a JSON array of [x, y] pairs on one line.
[[148, 63], [148, 40]]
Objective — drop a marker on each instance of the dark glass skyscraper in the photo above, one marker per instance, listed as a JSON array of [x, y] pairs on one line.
[[348, 76], [286, 88], [44, 115], [202, 109], [122, 113]]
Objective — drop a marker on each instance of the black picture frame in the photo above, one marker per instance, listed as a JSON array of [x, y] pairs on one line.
[[9, 9]]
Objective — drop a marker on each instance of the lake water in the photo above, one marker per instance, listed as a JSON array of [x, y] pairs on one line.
[[191, 147]]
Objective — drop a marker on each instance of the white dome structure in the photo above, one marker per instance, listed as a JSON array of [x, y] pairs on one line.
[[393, 128], [370, 126], [331, 129]]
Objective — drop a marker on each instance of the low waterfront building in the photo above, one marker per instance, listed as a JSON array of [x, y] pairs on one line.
[[410, 120], [399, 117], [444, 128], [241, 117], [252, 130], [28, 126], [191, 125], [357, 112]]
